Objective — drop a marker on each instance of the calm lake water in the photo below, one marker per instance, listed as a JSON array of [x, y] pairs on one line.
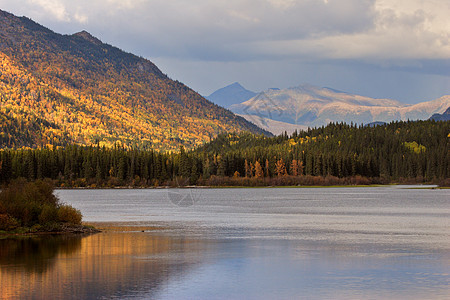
[[268, 243]]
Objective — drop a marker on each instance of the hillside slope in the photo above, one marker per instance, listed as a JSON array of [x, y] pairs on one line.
[[58, 89], [445, 116]]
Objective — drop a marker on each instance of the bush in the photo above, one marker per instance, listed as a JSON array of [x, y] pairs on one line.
[[49, 214], [29, 204], [445, 183], [68, 214], [8, 223]]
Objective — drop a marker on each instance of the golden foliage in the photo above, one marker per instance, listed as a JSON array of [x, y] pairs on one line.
[[74, 89]]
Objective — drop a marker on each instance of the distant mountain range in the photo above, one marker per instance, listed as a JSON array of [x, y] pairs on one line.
[[442, 117], [273, 126], [310, 106], [61, 89], [234, 93]]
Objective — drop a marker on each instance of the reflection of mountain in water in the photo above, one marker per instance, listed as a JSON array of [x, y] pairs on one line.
[[104, 265]]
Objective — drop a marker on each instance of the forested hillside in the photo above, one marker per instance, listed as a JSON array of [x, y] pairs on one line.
[[413, 152], [392, 151], [62, 89]]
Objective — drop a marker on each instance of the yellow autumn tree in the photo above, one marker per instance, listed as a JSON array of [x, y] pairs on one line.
[[258, 170], [280, 168]]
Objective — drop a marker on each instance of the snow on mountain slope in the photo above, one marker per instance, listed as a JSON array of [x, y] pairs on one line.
[[275, 127], [307, 105]]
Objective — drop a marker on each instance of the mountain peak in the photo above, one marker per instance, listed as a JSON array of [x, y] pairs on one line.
[[88, 37], [236, 85], [231, 94]]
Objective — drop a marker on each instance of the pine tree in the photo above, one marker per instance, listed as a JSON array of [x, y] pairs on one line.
[[194, 174], [121, 171], [98, 173], [220, 166], [247, 169], [206, 168], [185, 166]]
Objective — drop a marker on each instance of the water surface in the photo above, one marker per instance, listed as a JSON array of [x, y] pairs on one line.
[[267, 243]]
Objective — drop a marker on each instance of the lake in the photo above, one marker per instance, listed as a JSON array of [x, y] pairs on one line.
[[260, 243]]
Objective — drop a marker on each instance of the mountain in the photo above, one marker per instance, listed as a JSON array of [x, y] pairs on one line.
[[312, 106], [442, 117], [60, 89], [231, 94], [275, 127]]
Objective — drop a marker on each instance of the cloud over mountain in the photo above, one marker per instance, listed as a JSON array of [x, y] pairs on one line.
[[338, 29], [407, 38]]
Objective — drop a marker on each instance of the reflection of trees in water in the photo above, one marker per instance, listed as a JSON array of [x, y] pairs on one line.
[[106, 265], [36, 254], [133, 264]]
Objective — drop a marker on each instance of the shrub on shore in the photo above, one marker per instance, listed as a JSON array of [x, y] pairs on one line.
[[289, 180], [68, 214], [33, 205]]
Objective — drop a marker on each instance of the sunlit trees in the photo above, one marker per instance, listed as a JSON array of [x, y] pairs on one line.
[[60, 90], [338, 152], [259, 173]]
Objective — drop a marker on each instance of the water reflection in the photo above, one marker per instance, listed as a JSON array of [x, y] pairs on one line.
[[106, 265], [36, 254], [155, 264], [352, 243]]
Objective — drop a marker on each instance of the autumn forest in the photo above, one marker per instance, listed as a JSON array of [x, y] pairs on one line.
[[86, 114], [73, 89], [337, 154]]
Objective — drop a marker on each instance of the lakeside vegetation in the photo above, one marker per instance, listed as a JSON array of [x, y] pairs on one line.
[[32, 207], [337, 154]]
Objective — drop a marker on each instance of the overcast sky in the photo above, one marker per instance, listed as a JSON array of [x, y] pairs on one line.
[[397, 49]]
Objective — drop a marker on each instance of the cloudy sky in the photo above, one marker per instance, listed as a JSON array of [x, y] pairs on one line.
[[396, 49]]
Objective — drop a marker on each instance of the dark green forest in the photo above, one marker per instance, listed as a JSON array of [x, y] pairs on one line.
[[408, 152]]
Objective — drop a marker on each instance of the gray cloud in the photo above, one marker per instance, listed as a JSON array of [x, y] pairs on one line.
[[378, 81], [186, 27], [256, 36]]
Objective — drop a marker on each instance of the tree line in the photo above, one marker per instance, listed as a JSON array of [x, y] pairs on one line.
[[335, 154]]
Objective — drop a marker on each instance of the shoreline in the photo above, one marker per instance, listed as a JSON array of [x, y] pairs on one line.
[[64, 230], [407, 186]]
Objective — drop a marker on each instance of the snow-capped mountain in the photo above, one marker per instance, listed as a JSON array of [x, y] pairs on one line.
[[312, 106]]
